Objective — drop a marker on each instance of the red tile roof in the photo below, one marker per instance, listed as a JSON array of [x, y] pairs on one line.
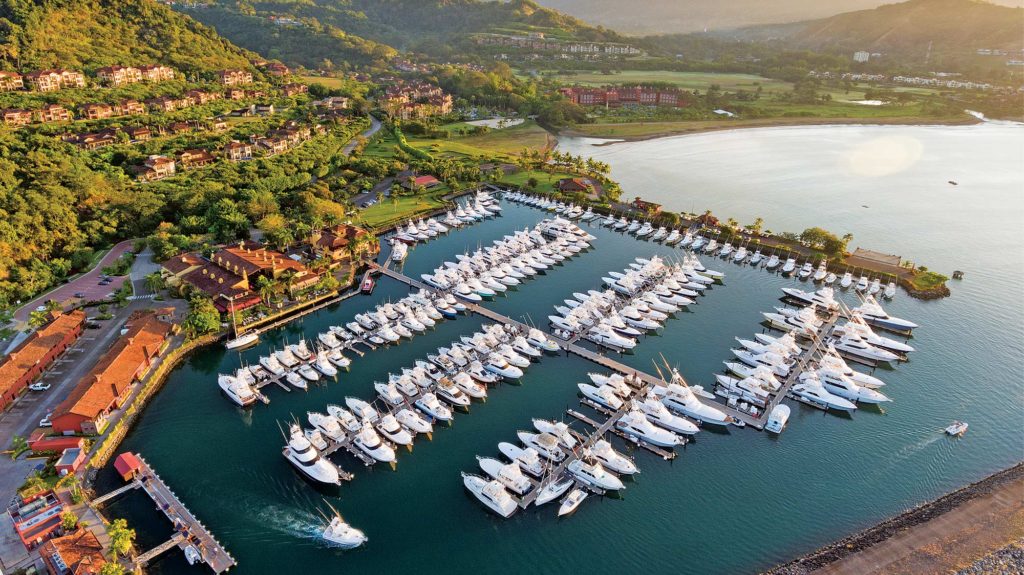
[[35, 348], [127, 463], [80, 551]]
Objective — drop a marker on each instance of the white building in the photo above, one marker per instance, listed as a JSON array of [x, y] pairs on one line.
[[861, 56]]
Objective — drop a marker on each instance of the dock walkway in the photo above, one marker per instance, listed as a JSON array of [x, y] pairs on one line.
[[189, 531]]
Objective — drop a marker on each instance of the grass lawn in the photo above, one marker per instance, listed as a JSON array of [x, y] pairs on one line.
[[927, 280], [687, 80], [326, 81], [402, 208], [507, 141], [545, 181]]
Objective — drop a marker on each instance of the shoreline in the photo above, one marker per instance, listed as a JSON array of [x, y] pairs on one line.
[[909, 524], [704, 126]]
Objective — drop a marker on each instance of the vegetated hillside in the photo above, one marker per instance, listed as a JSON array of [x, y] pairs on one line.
[[909, 27], [438, 27], [309, 43], [677, 17], [91, 34]]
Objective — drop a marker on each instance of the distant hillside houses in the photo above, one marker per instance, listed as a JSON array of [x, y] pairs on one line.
[[124, 75], [939, 80], [413, 100], [536, 41], [59, 79], [615, 96]]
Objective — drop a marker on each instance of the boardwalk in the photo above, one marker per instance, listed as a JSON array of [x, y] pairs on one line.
[[191, 531]]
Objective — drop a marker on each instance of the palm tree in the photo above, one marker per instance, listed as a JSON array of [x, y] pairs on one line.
[[266, 288], [380, 196], [154, 282]]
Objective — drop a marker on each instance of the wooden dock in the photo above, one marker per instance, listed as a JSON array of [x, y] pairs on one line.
[[189, 531]]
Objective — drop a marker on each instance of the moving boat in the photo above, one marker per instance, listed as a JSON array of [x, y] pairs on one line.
[[956, 429], [491, 493], [304, 457], [571, 502], [342, 534]]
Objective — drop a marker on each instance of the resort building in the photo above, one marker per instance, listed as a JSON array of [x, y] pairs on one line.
[[96, 111], [10, 81], [200, 97], [861, 56], [234, 77], [94, 141], [649, 208], [16, 116], [294, 89], [155, 168], [106, 388], [79, 553], [238, 151], [571, 185], [420, 182], [276, 69], [129, 108], [194, 158], [53, 113], [333, 243], [156, 73], [119, 75], [413, 100], [139, 134], [28, 361], [615, 96], [332, 103], [53, 80]]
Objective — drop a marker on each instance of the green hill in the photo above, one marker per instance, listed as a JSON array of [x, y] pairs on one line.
[[948, 26], [361, 31], [87, 34]]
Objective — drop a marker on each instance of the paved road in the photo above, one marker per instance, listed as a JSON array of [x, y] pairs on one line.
[[142, 267], [373, 129], [87, 283]]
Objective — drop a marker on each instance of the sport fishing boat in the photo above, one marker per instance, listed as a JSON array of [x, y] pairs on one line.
[[805, 271], [527, 459], [824, 297], [594, 474], [843, 386], [371, 444], [658, 414], [237, 390], [873, 313], [682, 398], [789, 267], [545, 444], [604, 395], [389, 427], [491, 493], [428, 404], [846, 281], [343, 535], [557, 428], [304, 457], [777, 418], [552, 489], [772, 263], [510, 475], [327, 425], [571, 502], [635, 424], [810, 391], [857, 326], [855, 346], [611, 459]]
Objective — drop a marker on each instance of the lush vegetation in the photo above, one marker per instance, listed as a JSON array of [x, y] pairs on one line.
[[89, 35]]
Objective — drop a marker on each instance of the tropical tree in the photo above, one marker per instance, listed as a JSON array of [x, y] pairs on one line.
[[38, 318], [154, 282], [112, 568], [121, 537], [68, 520], [756, 225], [266, 288], [202, 318]]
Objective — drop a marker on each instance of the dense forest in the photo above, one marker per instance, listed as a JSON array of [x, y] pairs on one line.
[[89, 34]]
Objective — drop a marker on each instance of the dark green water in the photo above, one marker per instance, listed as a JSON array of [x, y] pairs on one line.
[[731, 503]]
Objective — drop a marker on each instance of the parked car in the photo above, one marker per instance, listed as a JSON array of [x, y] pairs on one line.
[[45, 422], [79, 294], [39, 386], [41, 308]]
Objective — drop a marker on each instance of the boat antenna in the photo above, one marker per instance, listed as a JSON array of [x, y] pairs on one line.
[[661, 375]]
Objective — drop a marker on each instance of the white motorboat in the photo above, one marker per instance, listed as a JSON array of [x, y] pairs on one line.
[[361, 409], [764, 374], [527, 459], [658, 414], [557, 428], [875, 287], [491, 493], [343, 535], [296, 381], [510, 475], [726, 250], [604, 395], [805, 271], [777, 418], [271, 364], [830, 278], [890, 290], [389, 393], [846, 281], [833, 361], [237, 390], [450, 393], [956, 429], [611, 459], [571, 502], [307, 372], [659, 235], [413, 421], [552, 490], [604, 335], [757, 257], [328, 339], [855, 346], [843, 386], [862, 329], [316, 439], [750, 389], [469, 386], [821, 272], [371, 444], [324, 365], [873, 313], [338, 360], [863, 283], [594, 474], [674, 237], [348, 422], [778, 364], [681, 398], [810, 390], [789, 267], [428, 404], [545, 444], [499, 364], [389, 427], [824, 297], [327, 425], [740, 255], [636, 424], [772, 263], [242, 341], [304, 457]]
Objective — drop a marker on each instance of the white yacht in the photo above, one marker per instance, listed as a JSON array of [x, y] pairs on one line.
[[875, 315], [371, 444], [510, 475], [846, 281], [777, 419], [389, 427], [772, 263], [361, 409], [571, 502], [327, 425], [862, 329], [658, 414], [304, 457], [237, 390], [789, 267], [497, 363], [805, 271], [342, 534], [681, 398], [491, 493], [413, 421], [635, 424], [810, 390], [428, 404], [594, 474], [557, 428], [611, 459], [528, 459], [855, 346], [843, 386], [544, 444], [604, 395], [552, 489]]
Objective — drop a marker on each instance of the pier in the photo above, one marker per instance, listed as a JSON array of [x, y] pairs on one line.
[[188, 531], [572, 347]]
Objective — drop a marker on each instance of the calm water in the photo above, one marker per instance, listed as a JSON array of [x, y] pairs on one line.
[[732, 502]]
